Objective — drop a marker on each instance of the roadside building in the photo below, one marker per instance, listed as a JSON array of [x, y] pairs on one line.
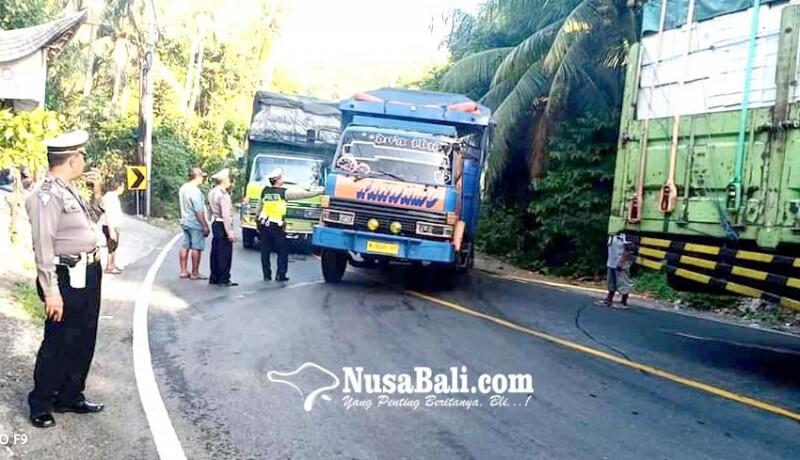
[[24, 55]]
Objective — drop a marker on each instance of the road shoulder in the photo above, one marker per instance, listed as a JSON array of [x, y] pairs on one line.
[[121, 431], [495, 267]]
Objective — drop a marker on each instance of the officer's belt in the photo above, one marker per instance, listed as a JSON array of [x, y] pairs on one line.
[[70, 260]]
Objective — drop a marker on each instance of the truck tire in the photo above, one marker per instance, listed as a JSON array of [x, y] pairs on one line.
[[307, 247], [451, 277], [248, 238], [334, 263]]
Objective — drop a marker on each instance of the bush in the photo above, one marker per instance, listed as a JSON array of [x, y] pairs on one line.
[[21, 138], [25, 294], [561, 225], [172, 159], [114, 144], [654, 284]]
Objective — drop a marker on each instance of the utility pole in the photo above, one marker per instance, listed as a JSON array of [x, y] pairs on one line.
[[146, 99]]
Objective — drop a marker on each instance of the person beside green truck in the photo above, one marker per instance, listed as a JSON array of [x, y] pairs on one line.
[[297, 134]]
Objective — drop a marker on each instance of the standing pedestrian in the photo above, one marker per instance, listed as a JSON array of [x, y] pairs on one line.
[[112, 222], [193, 223], [272, 231], [219, 202], [68, 280], [618, 267]]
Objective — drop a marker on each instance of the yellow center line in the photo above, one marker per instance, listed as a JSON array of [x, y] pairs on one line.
[[615, 359]]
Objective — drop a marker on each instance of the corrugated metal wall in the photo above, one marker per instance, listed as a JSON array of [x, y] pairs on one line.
[[717, 61]]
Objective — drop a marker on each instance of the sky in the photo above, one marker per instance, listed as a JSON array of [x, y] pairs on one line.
[[334, 48]]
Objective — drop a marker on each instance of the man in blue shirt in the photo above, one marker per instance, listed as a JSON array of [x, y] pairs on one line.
[[193, 223]]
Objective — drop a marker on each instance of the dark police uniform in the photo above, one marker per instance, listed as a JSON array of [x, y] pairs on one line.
[[272, 227], [271, 231], [219, 203], [67, 262]]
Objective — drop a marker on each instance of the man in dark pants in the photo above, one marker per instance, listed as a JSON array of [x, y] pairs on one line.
[[68, 280], [219, 202], [272, 231]]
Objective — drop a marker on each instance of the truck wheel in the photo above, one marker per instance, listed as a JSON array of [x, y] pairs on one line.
[[450, 277], [307, 247], [248, 238], [334, 263]]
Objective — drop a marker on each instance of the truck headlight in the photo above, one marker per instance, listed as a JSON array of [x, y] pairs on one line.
[[338, 217], [437, 230], [312, 213], [373, 224], [396, 227]]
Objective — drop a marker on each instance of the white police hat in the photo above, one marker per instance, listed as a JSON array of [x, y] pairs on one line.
[[277, 172], [223, 174], [67, 143]]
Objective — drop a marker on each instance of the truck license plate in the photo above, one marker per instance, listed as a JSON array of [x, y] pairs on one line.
[[391, 249]]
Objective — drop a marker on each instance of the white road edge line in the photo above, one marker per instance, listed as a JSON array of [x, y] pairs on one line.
[[164, 436]]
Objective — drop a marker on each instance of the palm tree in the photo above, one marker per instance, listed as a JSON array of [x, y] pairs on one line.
[[568, 62]]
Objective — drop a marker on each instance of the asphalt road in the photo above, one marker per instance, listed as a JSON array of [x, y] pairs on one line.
[[214, 347]]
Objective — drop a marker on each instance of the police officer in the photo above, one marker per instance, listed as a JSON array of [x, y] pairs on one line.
[[68, 280], [219, 202], [272, 228]]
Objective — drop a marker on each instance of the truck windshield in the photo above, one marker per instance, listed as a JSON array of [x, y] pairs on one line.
[[401, 155], [303, 172]]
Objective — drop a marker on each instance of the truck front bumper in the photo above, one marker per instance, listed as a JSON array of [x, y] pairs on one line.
[[295, 228], [408, 248]]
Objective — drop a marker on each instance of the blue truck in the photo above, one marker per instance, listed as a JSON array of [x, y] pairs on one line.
[[404, 184]]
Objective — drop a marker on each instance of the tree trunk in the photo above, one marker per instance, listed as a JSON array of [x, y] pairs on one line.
[[537, 160], [126, 95], [188, 85], [119, 73], [198, 72], [88, 78]]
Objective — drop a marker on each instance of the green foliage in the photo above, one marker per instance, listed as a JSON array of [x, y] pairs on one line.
[[654, 284], [16, 14], [499, 229], [176, 148], [536, 62], [571, 201], [25, 294], [21, 135], [173, 156], [64, 84], [563, 227]]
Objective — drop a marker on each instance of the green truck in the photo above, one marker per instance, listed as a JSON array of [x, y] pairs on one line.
[[298, 134], [707, 178]]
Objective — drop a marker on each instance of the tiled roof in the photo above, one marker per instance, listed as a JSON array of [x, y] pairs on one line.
[[18, 43]]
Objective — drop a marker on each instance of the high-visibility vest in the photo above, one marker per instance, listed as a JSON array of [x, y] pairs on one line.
[[273, 205]]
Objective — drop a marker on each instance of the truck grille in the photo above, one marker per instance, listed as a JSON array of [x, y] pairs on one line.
[[303, 212], [292, 212], [254, 207], [408, 218]]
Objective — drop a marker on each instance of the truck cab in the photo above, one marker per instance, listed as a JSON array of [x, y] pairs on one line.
[[404, 185], [299, 135]]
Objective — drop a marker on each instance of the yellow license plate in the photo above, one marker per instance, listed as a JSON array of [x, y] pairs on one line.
[[391, 249]]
